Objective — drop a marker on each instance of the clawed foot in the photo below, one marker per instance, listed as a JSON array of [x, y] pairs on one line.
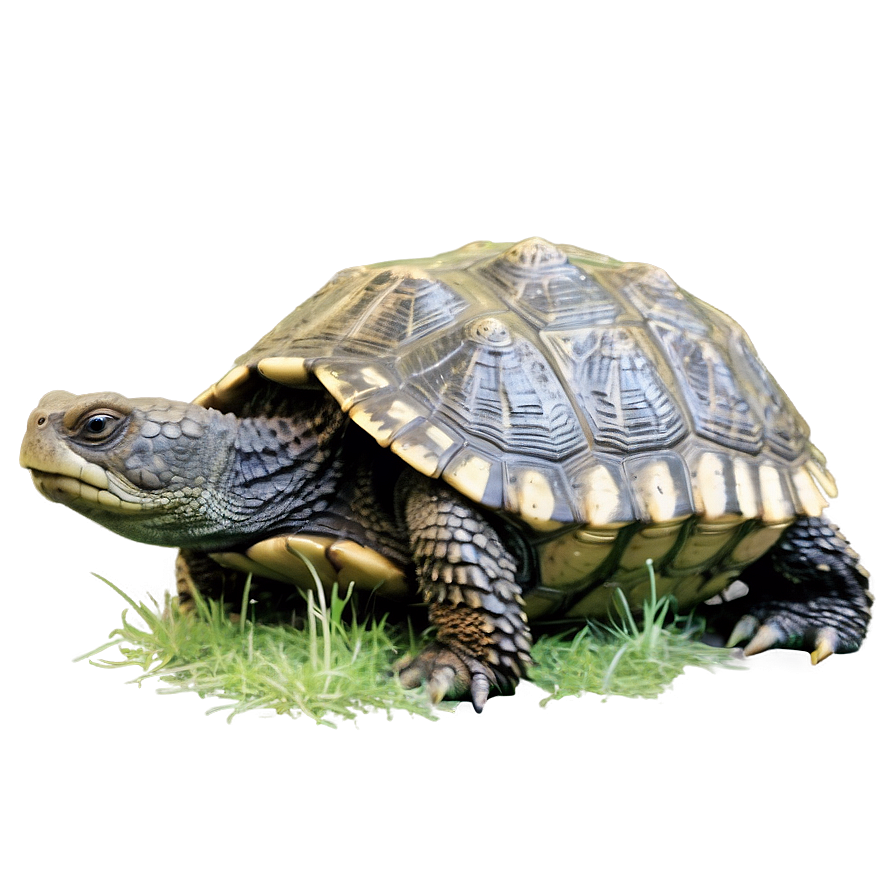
[[448, 674], [780, 632], [808, 593]]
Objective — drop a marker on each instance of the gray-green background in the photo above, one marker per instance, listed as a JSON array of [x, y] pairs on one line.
[[177, 176]]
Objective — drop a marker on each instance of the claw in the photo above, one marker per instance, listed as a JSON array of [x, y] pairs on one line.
[[439, 684], [743, 631], [447, 674], [765, 638], [825, 644], [479, 690]]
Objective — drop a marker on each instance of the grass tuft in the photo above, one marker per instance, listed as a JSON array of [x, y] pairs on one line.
[[625, 657], [335, 667]]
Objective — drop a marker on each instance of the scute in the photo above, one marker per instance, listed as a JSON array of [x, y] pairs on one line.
[[557, 385], [495, 386], [661, 483], [710, 389], [656, 297], [403, 306], [619, 382], [547, 289], [784, 429]]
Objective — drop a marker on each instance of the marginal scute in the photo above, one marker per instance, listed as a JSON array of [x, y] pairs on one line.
[[603, 496], [292, 372], [351, 381], [426, 447], [476, 477], [820, 474], [235, 379], [812, 502], [384, 415], [777, 504], [535, 495], [715, 481], [710, 488], [228, 391], [746, 486], [661, 484]]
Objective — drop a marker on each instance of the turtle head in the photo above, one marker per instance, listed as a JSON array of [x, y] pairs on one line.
[[143, 467]]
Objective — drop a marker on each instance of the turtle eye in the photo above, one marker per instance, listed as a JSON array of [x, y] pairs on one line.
[[98, 426]]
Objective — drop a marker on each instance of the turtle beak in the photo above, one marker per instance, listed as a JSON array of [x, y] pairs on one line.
[[37, 451], [47, 455]]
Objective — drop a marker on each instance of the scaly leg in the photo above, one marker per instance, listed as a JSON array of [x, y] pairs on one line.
[[808, 593], [467, 577]]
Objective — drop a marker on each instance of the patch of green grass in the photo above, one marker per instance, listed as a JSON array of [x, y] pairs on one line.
[[626, 657], [334, 666]]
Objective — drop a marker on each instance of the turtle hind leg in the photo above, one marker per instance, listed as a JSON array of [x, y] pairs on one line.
[[808, 593], [467, 578]]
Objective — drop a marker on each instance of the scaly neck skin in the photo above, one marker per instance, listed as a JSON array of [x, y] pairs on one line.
[[319, 475], [269, 474]]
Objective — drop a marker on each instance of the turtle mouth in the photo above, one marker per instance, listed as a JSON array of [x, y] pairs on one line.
[[74, 492]]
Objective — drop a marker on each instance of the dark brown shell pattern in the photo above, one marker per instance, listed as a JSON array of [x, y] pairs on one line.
[[611, 413]]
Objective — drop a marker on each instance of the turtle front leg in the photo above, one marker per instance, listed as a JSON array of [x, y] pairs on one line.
[[808, 593], [196, 572], [467, 577]]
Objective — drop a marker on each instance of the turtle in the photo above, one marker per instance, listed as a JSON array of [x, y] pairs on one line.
[[503, 434]]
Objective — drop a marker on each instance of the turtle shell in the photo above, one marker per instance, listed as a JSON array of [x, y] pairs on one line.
[[575, 394]]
